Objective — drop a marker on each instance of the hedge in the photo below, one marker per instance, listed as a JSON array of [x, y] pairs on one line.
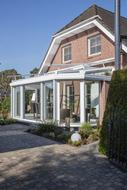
[[115, 112]]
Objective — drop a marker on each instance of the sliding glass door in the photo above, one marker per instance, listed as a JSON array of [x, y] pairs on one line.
[[92, 102]]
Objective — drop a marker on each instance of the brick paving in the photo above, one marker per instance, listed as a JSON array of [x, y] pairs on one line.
[[29, 162]]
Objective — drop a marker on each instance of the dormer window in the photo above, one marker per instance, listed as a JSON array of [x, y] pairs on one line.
[[94, 45], [66, 51]]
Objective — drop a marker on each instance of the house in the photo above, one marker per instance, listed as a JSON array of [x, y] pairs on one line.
[[73, 79]]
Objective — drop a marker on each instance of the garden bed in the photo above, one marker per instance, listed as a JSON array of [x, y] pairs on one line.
[[52, 131]]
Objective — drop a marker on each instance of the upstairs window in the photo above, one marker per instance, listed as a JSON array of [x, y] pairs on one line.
[[94, 45], [67, 54]]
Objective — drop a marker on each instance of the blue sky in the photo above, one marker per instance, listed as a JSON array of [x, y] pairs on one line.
[[26, 27]]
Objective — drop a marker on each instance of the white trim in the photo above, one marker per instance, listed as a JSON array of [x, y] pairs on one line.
[[58, 101], [75, 26], [14, 101], [39, 122], [54, 100], [82, 102], [22, 102], [47, 77], [27, 120], [44, 104], [41, 101], [11, 101], [61, 76]]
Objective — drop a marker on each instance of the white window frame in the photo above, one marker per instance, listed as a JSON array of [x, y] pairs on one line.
[[89, 47], [63, 51]]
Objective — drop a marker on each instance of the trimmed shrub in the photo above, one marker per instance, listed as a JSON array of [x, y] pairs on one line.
[[116, 111]]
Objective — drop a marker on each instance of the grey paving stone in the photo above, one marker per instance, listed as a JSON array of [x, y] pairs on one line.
[[29, 162]]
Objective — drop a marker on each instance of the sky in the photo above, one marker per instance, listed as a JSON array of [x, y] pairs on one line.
[[26, 28]]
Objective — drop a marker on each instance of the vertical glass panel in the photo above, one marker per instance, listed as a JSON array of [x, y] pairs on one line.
[[69, 102], [32, 101], [92, 102], [49, 100]]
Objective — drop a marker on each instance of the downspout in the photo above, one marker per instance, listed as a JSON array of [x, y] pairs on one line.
[[117, 34]]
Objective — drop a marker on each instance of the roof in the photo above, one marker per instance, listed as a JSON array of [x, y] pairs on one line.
[[103, 13]]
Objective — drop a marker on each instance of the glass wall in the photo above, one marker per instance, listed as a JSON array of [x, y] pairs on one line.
[[17, 100], [92, 102], [32, 102], [69, 102], [48, 91]]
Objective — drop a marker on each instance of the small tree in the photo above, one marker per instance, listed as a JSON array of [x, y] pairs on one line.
[[5, 107], [6, 77], [34, 71]]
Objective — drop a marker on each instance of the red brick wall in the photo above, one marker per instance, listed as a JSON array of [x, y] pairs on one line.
[[104, 86], [80, 51]]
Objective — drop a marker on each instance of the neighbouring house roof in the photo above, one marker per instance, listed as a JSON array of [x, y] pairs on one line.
[[106, 16], [93, 16]]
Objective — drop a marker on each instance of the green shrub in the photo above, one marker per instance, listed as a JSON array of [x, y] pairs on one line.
[[85, 130], [46, 128], [51, 130], [2, 122], [10, 121], [7, 121], [115, 112], [64, 136]]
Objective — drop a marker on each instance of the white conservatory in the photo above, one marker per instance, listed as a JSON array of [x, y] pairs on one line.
[[43, 97]]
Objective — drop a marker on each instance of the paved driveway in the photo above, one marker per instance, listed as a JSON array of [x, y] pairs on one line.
[[29, 162]]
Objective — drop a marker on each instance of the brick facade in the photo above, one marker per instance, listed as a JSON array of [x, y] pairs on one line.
[[79, 45]]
